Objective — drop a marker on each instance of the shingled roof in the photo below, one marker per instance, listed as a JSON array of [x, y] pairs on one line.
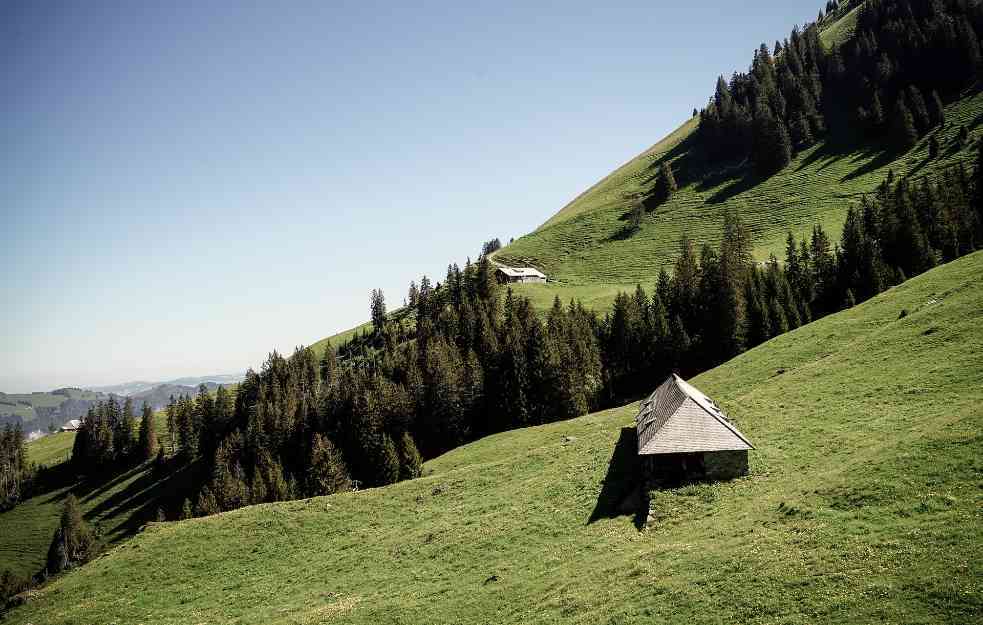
[[678, 418]]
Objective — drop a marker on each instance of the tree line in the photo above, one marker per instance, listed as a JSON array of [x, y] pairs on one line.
[[469, 360], [109, 437], [907, 54], [466, 362], [718, 303]]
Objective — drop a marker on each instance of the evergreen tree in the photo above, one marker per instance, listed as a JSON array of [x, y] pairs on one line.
[[160, 463], [327, 472], [936, 110], [387, 467], [772, 148], [57, 559], [963, 137], [903, 125], [876, 117], [918, 109], [148, 434], [123, 434], [685, 284], [74, 542], [206, 505], [410, 461], [635, 215], [377, 310], [758, 321], [679, 344], [665, 185], [776, 315]]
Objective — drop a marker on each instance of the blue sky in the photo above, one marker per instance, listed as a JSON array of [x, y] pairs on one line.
[[188, 185]]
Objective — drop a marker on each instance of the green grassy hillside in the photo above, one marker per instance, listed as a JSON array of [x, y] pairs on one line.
[[582, 247], [117, 506], [51, 449], [863, 505]]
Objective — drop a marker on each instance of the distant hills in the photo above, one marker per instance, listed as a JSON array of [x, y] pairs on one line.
[[128, 389], [38, 411]]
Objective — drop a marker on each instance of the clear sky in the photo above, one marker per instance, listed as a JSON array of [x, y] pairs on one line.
[[185, 186]]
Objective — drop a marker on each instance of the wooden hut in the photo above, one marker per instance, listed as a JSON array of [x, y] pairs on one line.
[[682, 433], [507, 275]]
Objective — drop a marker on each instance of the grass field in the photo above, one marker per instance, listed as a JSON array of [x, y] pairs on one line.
[[51, 449], [863, 505], [118, 506]]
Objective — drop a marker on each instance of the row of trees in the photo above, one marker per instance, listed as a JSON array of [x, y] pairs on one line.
[[718, 303], [109, 437], [471, 363], [904, 55], [467, 360], [905, 228]]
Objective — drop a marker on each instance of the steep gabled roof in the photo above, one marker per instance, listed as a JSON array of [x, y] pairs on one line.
[[678, 418]]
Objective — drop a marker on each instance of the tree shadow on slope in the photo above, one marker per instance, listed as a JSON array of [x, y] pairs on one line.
[[140, 493], [877, 158], [138, 503], [621, 490]]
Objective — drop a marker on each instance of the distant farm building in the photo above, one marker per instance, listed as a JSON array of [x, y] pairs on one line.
[[683, 433], [520, 274], [71, 426]]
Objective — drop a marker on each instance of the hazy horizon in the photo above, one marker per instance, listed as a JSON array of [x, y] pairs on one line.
[[191, 186]]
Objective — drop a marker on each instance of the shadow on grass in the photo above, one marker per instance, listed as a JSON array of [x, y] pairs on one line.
[[745, 183], [621, 491], [623, 233], [130, 498]]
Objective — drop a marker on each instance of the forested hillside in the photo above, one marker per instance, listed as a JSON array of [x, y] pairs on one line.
[[862, 506]]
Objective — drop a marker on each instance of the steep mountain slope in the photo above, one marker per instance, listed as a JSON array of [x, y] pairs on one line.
[[862, 505], [588, 255], [582, 246]]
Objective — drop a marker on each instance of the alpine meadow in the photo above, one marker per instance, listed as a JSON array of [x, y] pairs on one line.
[[798, 265]]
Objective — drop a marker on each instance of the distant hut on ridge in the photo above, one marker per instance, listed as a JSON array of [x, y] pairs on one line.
[[683, 433]]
